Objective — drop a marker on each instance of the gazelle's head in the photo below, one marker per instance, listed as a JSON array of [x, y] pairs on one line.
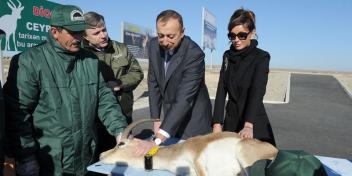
[[16, 10], [125, 145]]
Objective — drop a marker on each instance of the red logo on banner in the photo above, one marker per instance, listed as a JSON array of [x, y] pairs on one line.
[[40, 11]]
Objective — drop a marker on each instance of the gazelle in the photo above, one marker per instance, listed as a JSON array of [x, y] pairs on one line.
[[8, 23], [222, 154]]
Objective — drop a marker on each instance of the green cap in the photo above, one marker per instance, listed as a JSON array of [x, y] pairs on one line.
[[69, 17], [289, 162]]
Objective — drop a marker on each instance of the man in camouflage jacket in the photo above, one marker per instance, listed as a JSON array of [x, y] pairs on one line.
[[120, 69]]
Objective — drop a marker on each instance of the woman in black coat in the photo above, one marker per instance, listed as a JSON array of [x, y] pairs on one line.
[[243, 76]]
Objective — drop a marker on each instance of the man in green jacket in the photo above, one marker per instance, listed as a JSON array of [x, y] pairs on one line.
[[53, 94], [2, 127], [120, 69]]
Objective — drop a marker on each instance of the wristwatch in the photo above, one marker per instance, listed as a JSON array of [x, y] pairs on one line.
[[157, 141]]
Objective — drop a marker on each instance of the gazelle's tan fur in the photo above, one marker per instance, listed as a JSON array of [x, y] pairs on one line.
[[222, 154]]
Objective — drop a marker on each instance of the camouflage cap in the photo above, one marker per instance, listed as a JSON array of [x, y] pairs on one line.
[[69, 17]]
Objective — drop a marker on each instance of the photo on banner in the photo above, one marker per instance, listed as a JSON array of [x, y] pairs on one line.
[[136, 39]]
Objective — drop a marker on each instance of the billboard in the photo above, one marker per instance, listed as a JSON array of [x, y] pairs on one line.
[[136, 38], [209, 30], [25, 23]]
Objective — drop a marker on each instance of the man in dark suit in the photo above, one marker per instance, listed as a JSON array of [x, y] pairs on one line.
[[176, 83]]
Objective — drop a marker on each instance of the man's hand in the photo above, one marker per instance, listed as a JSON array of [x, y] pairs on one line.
[[217, 128], [143, 147], [27, 167], [157, 126]]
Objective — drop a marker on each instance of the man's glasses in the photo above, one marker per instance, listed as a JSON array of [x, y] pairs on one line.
[[240, 35]]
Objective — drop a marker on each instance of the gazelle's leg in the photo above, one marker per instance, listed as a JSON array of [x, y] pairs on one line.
[[7, 43], [199, 169], [14, 42]]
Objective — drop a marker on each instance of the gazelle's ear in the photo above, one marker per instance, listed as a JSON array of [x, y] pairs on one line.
[[118, 138]]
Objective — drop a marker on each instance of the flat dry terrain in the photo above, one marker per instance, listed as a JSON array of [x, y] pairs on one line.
[[277, 86], [276, 89]]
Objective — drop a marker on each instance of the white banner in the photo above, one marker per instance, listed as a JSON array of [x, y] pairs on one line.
[[209, 30]]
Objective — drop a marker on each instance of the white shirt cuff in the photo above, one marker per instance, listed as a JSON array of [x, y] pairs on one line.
[[164, 133]]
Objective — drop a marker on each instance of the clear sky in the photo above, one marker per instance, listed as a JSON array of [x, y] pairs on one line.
[[299, 34]]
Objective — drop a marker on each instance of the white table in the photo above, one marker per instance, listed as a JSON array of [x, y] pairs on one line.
[[333, 167]]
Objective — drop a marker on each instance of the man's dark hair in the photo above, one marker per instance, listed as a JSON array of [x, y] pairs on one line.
[[166, 15], [94, 19]]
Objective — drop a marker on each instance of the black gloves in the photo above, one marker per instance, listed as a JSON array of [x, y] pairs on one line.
[[27, 166], [115, 86]]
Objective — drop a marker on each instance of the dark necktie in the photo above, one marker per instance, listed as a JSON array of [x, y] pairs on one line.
[[167, 60]]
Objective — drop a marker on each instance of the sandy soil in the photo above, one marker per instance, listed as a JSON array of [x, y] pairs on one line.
[[275, 91]]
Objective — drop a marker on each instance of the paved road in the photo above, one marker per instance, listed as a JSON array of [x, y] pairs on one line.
[[318, 118]]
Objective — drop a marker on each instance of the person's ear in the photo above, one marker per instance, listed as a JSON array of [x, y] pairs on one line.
[[54, 32], [183, 32], [253, 34]]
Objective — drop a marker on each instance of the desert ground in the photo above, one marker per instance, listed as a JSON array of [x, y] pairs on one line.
[[276, 90]]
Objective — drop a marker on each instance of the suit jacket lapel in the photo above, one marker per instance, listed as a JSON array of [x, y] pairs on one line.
[[176, 60], [160, 64]]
